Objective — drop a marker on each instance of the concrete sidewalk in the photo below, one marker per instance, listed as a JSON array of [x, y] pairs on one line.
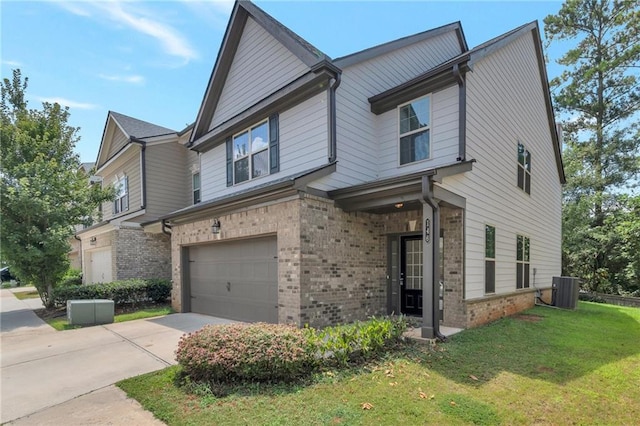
[[52, 377]]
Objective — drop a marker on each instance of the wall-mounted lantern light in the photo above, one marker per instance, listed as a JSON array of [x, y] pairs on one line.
[[215, 228], [93, 241]]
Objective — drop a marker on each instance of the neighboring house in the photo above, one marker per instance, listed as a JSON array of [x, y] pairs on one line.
[[75, 254], [151, 171], [336, 189]]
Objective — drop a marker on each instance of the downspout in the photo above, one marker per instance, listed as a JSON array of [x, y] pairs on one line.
[[333, 151], [166, 226], [81, 254], [143, 165], [462, 113], [427, 196]]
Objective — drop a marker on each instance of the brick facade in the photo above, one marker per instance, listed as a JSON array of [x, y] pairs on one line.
[[452, 223], [140, 254]]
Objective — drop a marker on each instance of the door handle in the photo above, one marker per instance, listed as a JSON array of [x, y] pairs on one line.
[[228, 286]]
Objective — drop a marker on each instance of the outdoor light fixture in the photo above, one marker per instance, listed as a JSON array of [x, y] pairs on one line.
[[399, 205], [93, 241], [215, 228]]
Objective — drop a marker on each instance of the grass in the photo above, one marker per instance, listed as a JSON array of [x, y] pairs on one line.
[[60, 323], [32, 294], [546, 367]]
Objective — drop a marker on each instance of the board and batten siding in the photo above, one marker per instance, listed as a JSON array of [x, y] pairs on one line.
[[166, 190], [128, 164], [443, 136], [261, 65], [505, 104], [358, 139], [303, 146]]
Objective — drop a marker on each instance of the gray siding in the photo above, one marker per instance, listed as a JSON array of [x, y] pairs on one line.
[[303, 145], [505, 104], [118, 141], [128, 164], [261, 65], [359, 144], [166, 189]]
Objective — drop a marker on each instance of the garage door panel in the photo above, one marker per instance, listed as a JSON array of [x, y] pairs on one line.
[[237, 280]]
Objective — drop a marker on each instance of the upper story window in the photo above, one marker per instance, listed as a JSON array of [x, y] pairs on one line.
[[522, 261], [415, 125], [196, 187], [524, 169], [251, 153], [121, 203], [489, 259]]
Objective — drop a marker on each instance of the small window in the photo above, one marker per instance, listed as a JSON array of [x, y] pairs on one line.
[[522, 261], [251, 153], [121, 203], [196, 188], [489, 259], [415, 124], [524, 169]]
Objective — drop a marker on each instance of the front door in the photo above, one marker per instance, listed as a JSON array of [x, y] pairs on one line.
[[411, 275]]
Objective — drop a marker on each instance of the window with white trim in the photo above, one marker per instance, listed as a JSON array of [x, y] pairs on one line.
[[415, 124], [251, 153], [121, 203], [489, 259], [524, 169], [522, 261], [195, 182]]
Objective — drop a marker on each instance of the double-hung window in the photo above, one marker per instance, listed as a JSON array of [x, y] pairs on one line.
[[121, 202], [415, 125], [489, 259], [196, 187], [251, 153], [524, 169], [522, 262]]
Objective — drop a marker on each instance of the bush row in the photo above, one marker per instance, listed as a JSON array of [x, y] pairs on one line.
[[127, 292], [267, 352]]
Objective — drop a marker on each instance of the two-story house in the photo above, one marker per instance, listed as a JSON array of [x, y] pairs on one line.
[[418, 177], [153, 173]]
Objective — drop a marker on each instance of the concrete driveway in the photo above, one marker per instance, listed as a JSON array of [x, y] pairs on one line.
[[66, 377]]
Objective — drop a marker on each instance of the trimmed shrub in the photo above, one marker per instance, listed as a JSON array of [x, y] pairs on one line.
[[347, 343], [591, 297], [73, 277], [127, 292], [246, 352]]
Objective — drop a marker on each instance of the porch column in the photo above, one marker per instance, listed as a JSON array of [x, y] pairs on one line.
[[430, 261]]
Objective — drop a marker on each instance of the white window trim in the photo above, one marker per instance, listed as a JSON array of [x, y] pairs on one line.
[[250, 153], [193, 189], [523, 262], [119, 200], [527, 173], [429, 127]]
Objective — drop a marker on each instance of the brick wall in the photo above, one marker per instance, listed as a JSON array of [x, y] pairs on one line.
[[343, 264], [139, 254], [491, 308], [452, 223]]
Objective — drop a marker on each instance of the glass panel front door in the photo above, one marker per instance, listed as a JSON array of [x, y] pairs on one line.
[[411, 272]]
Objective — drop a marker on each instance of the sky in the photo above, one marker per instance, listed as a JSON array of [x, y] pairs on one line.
[[152, 59]]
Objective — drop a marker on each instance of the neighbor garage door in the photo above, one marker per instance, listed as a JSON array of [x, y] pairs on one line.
[[236, 280], [100, 266]]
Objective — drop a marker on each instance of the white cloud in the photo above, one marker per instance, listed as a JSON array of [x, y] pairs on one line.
[[133, 79], [11, 63], [172, 41], [75, 7], [215, 12], [67, 102]]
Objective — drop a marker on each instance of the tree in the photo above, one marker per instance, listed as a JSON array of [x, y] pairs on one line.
[[42, 194], [598, 95]]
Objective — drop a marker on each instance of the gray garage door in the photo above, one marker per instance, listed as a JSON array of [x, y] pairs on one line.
[[236, 280]]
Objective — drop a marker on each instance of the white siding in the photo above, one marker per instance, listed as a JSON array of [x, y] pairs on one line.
[[358, 141], [261, 66], [443, 136], [303, 146], [505, 104]]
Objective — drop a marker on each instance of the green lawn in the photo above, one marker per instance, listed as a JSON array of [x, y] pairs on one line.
[[61, 323], [546, 367]]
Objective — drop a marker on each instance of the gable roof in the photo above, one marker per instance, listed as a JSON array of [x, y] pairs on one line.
[[381, 49], [133, 129], [242, 10]]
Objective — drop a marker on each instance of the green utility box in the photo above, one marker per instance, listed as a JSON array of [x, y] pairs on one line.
[[90, 312]]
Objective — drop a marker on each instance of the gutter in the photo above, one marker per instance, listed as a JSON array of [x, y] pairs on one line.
[[462, 113], [143, 166]]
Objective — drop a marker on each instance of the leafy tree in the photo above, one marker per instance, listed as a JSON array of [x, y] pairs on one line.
[[598, 94], [42, 193]]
